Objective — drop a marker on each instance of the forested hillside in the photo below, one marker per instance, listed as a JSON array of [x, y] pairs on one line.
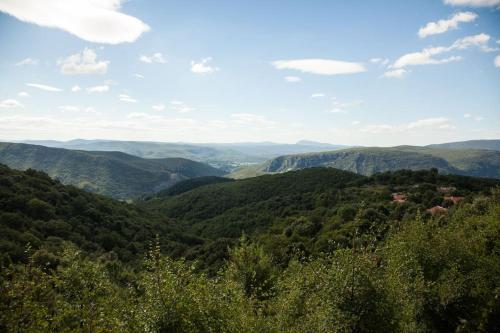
[[114, 174], [394, 270], [368, 161], [38, 211]]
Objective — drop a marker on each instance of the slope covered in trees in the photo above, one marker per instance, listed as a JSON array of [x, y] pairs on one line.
[[38, 211], [114, 174], [427, 275]]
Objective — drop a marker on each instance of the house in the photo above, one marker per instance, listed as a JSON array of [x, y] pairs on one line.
[[454, 198], [437, 210], [446, 189], [399, 197]]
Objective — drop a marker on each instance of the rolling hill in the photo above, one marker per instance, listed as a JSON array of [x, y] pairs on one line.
[[368, 161], [115, 174], [471, 144]]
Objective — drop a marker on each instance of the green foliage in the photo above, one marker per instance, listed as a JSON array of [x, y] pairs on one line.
[[428, 276], [37, 210]]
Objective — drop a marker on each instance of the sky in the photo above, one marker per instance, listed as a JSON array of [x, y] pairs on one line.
[[372, 73]]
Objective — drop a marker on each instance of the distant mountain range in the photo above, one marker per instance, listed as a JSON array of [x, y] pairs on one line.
[[367, 161], [225, 156], [115, 174]]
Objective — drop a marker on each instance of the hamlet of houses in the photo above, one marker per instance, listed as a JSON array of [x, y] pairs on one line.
[[401, 197]]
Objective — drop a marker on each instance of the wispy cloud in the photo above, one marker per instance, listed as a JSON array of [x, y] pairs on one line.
[[77, 109], [180, 106], [496, 61], [473, 3], [154, 58], [23, 94], [158, 107], [441, 26], [43, 87], [320, 66], [139, 76], [10, 104], [76, 88], [343, 107], [98, 89], [252, 120], [380, 61], [317, 95], [27, 61], [292, 79], [203, 66], [396, 73], [428, 55], [84, 62], [82, 18], [127, 99]]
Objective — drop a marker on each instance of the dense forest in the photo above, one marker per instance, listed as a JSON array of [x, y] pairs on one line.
[[316, 250]]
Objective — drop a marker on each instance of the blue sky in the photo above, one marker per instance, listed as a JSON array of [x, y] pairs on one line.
[[347, 72]]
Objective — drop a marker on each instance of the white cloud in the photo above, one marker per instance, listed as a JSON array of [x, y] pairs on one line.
[[159, 107], [10, 104], [83, 63], [98, 21], [154, 58], [27, 61], [127, 98], [98, 89], [396, 73], [292, 79], [43, 87], [317, 95], [180, 107], [343, 107], [480, 40], [478, 118], [77, 109], [320, 66], [427, 55], [441, 26], [252, 120], [473, 3], [496, 62], [433, 124], [139, 76], [439, 122], [380, 61], [23, 94], [203, 67], [467, 115], [76, 88], [355, 123]]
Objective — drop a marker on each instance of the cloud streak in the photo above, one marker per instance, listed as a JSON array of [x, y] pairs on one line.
[[441, 26], [320, 66], [44, 87]]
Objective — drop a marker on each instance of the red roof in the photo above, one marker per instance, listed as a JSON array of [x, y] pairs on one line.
[[437, 210]]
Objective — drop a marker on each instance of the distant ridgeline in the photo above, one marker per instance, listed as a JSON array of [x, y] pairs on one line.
[[325, 250], [112, 173], [368, 161]]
